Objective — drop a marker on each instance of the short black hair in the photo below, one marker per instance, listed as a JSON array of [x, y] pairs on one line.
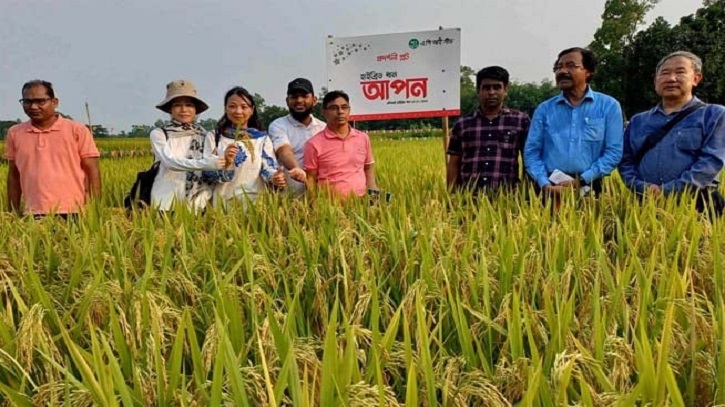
[[589, 59], [495, 73], [38, 82], [332, 95]]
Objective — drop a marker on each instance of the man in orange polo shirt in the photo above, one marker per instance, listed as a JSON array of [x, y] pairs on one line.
[[53, 161], [339, 157]]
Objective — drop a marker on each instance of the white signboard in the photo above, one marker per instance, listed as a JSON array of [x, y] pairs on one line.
[[398, 76]]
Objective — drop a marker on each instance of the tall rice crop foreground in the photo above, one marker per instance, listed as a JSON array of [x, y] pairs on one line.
[[429, 300]]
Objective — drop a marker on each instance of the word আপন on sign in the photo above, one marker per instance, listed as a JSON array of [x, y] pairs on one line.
[[380, 89]]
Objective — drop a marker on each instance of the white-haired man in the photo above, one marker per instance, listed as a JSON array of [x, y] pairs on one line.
[[679, 145]]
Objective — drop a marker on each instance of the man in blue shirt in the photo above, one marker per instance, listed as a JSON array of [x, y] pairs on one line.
[[692, 153], [578, 132]]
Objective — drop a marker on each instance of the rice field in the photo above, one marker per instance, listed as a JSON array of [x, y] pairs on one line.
[[429, 300]]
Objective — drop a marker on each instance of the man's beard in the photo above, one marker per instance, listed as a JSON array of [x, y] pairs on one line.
[[299, 116]]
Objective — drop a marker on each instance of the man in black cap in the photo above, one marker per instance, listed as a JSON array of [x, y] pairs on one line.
[[290, 133]]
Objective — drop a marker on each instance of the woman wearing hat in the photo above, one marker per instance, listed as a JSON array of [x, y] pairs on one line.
[[240, 134], [184, 149]]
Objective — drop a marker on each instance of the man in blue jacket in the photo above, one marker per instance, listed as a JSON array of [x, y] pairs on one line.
[[686, 156], [578, 132]]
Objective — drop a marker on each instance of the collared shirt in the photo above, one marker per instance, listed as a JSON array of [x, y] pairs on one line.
[[49, 161], [692, 153], [489, 148], [288, 131], [340, 163], [584, 140]]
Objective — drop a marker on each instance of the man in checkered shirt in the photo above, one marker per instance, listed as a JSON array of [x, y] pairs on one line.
[[485, 144]]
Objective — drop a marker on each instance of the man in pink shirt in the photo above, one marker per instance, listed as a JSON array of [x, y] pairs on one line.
[[53, 161], [339, 157]]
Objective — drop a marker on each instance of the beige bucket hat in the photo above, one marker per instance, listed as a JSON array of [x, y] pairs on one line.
[[179, 88]]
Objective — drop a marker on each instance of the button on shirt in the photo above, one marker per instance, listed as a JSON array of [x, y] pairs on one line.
[[340, 163], [584, 140], [489, 148], [692, 153]]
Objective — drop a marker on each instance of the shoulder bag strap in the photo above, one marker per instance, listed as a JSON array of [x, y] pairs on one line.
[[657, 136], [166, 135]]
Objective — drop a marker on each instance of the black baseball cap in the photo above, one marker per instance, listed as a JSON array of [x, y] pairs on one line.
[[300, 84]]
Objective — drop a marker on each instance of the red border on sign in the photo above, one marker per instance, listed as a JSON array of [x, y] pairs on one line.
[[411, 115]]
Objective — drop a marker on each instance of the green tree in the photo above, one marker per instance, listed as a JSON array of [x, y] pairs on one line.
[[5, 125], [521, 96], [209, 124], [99, 131], [140, 130], [526, 96], [259, 101], [270, 113], [642, 55], [317, 109], [702, 33], [469, 95], [620, 21], [266, 113]]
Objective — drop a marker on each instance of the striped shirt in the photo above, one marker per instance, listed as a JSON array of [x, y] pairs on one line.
[[489, 149]]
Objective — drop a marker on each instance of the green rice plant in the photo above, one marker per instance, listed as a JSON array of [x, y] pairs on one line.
[[431, 299]]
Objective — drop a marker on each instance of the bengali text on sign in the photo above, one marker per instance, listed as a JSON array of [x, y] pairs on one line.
[[397, 75]]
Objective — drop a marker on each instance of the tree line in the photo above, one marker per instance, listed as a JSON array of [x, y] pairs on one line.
[[628, 55]]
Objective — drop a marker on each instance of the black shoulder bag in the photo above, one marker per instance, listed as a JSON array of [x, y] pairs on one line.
[[140, 194], [657, 136]]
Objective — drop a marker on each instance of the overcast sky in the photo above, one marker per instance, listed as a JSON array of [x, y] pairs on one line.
[[118, 55]]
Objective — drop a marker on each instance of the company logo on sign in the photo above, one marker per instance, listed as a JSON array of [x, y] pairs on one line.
[[413, 43]]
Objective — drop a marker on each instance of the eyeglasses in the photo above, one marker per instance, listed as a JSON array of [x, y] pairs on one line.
[[569, 66], [335, 108], [29, 102]]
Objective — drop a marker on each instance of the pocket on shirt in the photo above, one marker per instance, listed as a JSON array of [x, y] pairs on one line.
[[359, 157], [508, 139], [594, 130], [689, 139]]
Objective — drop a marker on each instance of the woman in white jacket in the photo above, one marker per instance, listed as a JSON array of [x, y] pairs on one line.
[[184, 150], [240, 133]]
